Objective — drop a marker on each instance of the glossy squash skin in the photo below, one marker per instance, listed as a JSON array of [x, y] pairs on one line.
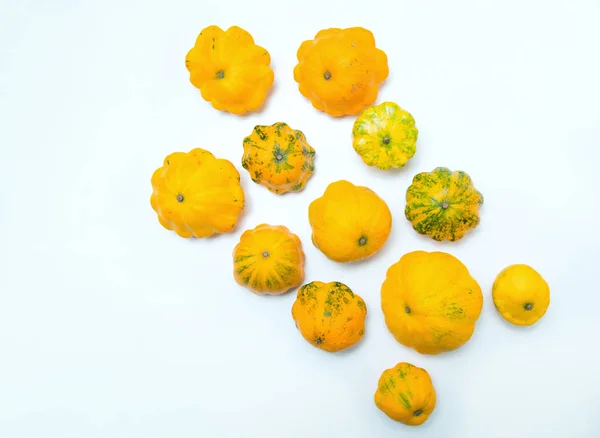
[[521, 295], [329, 315], [349, 222], [231, 72], [385, 136], [406, 394], [442, 204], [430, 302], [268, 260], [278, 157], [196, 194], [340, 70]]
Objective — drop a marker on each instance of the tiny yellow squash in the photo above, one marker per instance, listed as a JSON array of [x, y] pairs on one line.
[[329, 315], [231, 72], [443, 204], [278, 158], [340, 70], [406, 394], [269, 260], [196, 194], [385, 136], [521, 294], [430, 302], [349, 222]]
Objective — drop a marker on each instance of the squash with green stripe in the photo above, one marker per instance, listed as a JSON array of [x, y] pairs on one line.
[[269, 260], [443, 204], [385, 136], [278, 157], [329, 315], [406, 394]]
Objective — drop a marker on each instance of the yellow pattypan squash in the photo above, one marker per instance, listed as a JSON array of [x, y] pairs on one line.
[[278, 158], [232, 72], [521, 294], [349, 222], [430, 302], [385, 136], [329, 315], [443, 204], [269, 260], [406, 394], [340, 70], [196, 194]]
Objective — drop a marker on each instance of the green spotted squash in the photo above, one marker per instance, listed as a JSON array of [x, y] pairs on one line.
[[268, 260], [278, 157], [442, 204], [385, 136]]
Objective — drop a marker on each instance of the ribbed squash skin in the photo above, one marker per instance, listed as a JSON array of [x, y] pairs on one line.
[[231, 72], [406, 394], [329, 315], [196, 194], [442, 204], [385, 136], [278, 157], [430, 302], [269, 260], [340, 70]]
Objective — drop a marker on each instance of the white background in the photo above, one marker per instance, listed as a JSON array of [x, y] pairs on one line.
[[111, 326]]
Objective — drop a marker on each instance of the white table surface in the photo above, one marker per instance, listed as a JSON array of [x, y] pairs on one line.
[[111, 326]]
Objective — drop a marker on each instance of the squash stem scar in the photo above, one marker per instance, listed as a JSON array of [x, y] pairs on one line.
[[220, 74], [362, 241], [418, 412], [445, 205], [386, 140], [327, 75], [407, 309], [528, 306], [265, 254], [180, 198]]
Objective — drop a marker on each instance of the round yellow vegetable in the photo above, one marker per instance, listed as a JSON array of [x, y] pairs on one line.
[[521, 295], [406, 394]]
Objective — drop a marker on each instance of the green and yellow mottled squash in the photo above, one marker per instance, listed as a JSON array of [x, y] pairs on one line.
[[196, 194], [278, 157], [329, 315], [269, 260], [430, 302], [443, 204], [406, 394], [385, 136]]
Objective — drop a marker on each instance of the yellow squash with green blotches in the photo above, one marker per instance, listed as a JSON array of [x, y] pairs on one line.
[[385, 136], [278, 157], [349, 222], [329, 315], [269, 260], [406, 394], [442, 204], [231, 72], [430, 302], [196, 194], [521, 294]]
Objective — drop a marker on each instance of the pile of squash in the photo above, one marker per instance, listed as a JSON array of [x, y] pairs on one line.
[[430, 301]]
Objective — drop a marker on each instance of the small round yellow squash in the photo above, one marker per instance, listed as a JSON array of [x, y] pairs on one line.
[[329, 315], [406, 394], [278, 157], [231, 72], [269, 260], [385, 136], [349, 222], [520, 294], [430, 302], [196, 194]]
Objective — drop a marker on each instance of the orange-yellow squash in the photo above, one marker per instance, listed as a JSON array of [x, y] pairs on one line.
[[269, 260], [231, 72], [278, 158], [340, 70], [521, 294], [430, 302], [349, 222], [406, 394], [196, 194], [329, 315]]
